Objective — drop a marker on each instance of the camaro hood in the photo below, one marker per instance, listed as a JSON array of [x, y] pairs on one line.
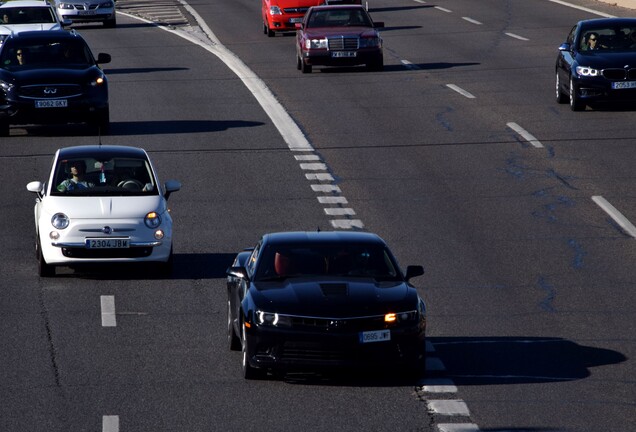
[[333, 298], [104, 207]]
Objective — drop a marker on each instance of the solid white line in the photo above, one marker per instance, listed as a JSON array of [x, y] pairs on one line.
[[110, 423], [443, 9], [332, 200], [319, 177], [512, 35], [337, 211], [439, 385], [470, 20], [461, 91], [108, 311], [458, 427], [592, 11], [448, 407], [617, 216], [525, 134]]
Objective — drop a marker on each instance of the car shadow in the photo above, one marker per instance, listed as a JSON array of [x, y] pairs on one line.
[[189, 266], [393, 67], [399, 8], [483, 361], [123, 71], [137, 128]]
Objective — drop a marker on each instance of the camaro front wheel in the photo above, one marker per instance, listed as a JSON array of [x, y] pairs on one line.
[[249, 372], [233, 341]]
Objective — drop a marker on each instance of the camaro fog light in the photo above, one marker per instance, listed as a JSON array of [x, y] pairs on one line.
[[159, 234], [152, 220], [390, 317], [54, 235], [60, 221]]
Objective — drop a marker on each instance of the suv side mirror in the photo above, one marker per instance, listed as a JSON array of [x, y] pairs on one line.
[[413, 271]]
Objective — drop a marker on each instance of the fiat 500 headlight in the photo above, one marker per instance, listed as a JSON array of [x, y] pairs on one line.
[[60, 221], [152, 220]]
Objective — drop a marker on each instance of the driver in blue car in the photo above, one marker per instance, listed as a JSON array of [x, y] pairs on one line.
[[78, 169]]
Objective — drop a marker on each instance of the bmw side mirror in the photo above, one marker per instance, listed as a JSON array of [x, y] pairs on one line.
[[413, 271], [103, 58], [564, 47]]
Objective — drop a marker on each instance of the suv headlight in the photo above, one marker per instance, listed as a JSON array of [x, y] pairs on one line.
[[587, 71], [108, 4], [5, 86]]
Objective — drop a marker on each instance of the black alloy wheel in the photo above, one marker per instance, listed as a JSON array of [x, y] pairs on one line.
[[249, 372], [575, 100], [561, 97]]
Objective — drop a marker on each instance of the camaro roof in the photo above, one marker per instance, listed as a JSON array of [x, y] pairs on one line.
[[322, 237], [96, 150]]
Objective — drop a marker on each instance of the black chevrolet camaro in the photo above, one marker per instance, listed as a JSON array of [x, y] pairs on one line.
[[51, 76], [597, 63], [308, 300]]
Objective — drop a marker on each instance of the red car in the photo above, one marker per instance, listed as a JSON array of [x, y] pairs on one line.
[[282, 15], [338, 35]]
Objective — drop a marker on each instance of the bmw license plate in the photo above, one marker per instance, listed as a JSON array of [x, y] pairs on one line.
[[107, 243], [343, 54], [375, 336], [623, 85], [54, 103]]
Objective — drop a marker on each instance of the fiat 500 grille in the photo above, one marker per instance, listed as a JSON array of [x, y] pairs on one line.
[[343, 43], [50, 91]]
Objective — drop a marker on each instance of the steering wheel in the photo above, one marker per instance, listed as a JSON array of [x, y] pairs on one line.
[[131, 184]]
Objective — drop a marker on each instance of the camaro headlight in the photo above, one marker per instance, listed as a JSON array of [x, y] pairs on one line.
[[369, 42], [587, 71], [400, 317], [60, 221], [272, 319], [152, 220], [316, 44], [275, 10]]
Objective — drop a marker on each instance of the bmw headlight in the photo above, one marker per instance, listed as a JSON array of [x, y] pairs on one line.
[[152, 220], [587, 71], [316, 44], [272, 319], [369, 42], [60, 221], [275, 10]]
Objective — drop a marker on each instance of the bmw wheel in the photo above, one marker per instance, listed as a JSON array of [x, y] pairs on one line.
[[575, 99], [560, 96]]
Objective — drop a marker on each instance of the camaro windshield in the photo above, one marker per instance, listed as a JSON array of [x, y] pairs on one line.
[[116, 176], [318, 259]]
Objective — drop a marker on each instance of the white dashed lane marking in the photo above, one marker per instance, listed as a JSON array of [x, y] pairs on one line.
[[512, 35], [108, 311], [617, 216], [457, 427], [110, 423], [448, 407], [525, 134], [461, 91], [470, 20]]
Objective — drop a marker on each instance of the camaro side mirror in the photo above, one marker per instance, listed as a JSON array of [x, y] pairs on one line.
[[239, 272], [413, 271], [103, 58]]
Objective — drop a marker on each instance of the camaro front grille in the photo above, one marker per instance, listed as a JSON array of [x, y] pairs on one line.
[[340, 325], [343, 43], [618, 74], [50, 91]]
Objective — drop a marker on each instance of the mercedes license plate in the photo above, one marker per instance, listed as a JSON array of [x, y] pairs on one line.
[[343, 54], [623, 85], [375, 336], [52, 103], [107, 243]]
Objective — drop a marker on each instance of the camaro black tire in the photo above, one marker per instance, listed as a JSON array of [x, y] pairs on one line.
[[44, 269], [4, 128], [249, 372], [575, 100], [560, 96], [233, 341]]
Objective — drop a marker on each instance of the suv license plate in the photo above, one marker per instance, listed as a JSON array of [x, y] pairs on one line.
[[375, 336], [55, 103], [107, 243]]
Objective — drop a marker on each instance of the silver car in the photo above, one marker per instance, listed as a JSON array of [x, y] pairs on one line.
[[87, 11]]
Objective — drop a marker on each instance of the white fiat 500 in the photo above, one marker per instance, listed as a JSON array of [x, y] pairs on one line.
[[102, 203]]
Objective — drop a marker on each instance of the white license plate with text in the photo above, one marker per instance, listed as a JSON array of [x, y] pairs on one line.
[[343, 54], [107, 243], [623, 85], [55, 103], [375, 336]]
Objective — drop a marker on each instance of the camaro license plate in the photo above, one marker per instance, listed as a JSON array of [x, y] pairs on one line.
[[623, 85], [55, 103], [107, 243], [343, 54], [375, 336]]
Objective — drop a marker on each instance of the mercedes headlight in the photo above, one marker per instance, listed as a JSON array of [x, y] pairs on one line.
[[316, 44], [370, 42]]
